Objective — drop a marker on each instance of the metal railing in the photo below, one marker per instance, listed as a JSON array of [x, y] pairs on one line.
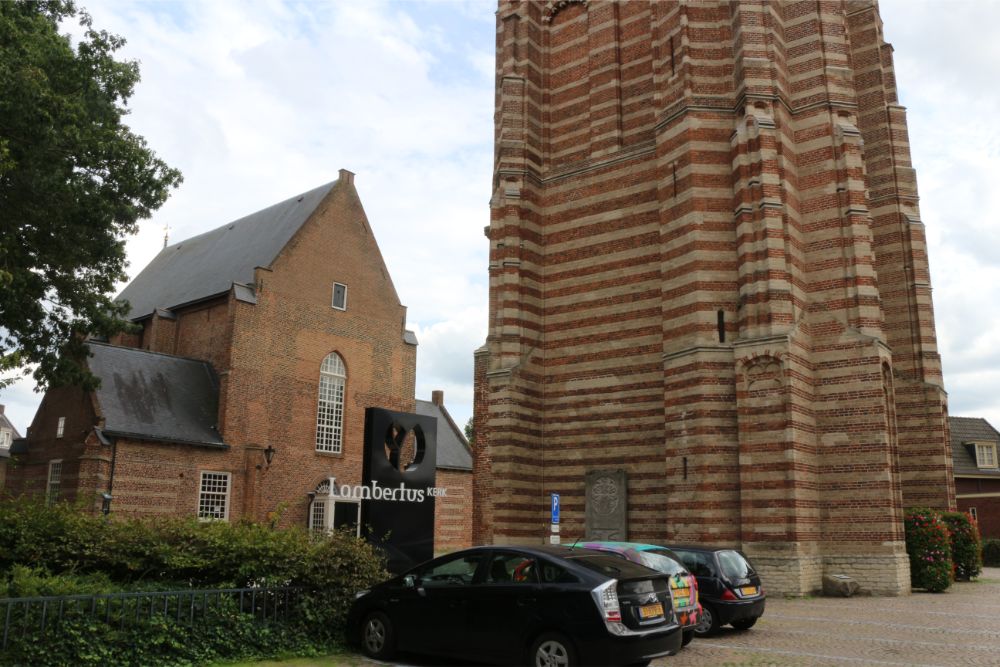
[[40, 614]]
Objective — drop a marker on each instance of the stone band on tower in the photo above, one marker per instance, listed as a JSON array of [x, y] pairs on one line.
[[708, 270]]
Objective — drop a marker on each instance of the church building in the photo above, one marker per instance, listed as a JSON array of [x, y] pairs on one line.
[[710, 308], [259, 346]]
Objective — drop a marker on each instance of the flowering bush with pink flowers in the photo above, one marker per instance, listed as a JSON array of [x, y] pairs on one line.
[[966, 545], [928, 543]]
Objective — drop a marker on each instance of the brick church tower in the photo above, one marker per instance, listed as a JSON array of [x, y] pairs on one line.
[[710, 304]]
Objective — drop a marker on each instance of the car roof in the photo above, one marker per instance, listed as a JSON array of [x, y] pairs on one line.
[[570, 555], [623, 546], [701, 548]]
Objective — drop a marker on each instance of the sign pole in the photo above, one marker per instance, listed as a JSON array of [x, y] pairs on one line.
[[554, 535]]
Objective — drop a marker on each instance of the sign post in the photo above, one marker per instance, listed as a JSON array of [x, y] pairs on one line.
[[554, 537]]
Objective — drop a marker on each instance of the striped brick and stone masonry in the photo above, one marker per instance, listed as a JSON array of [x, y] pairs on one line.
[[708, 268]]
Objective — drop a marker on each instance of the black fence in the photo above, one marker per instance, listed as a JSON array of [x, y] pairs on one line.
[[40, 614]]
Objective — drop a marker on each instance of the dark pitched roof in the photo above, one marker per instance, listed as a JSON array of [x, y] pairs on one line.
[[153, 396], [209, 264], [19, 446], [966, 430], [452, 447]]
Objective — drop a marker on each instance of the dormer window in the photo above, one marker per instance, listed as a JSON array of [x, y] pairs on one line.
[[986, 455], [339, 296], [5, 438]]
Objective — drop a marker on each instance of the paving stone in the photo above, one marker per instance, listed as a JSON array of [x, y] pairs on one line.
[[956, 628]]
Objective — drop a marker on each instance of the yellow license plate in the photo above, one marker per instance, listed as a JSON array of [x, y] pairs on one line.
[[749, 590], [651, 611]]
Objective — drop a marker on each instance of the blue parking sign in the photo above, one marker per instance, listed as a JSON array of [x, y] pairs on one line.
[[555, 508]]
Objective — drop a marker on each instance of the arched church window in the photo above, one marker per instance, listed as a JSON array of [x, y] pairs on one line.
[[330, 413]]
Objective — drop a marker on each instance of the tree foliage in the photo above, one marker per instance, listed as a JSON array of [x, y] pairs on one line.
[[74, 181], [470, 432]]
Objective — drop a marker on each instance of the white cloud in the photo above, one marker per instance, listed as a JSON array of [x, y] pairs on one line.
[[945, 56]]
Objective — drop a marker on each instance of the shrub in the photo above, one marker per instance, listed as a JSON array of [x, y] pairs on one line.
[[965, 545], [58, 550], [929, 548], [24, 581], [991, 552]]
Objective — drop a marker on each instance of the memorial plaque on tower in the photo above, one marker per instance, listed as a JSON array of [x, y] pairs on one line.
[[607, 506]]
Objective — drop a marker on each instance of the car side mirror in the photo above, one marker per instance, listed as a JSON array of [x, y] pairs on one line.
[[410, 581]]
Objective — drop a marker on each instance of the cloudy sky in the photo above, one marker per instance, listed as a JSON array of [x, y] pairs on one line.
[[255, 101]]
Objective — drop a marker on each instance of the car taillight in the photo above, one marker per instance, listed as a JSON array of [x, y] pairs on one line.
[[609, 600], [729, 595], [606, 597]]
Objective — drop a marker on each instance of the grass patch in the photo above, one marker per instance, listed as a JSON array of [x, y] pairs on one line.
[[339, 658]]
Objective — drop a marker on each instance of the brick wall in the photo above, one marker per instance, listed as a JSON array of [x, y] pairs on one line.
[[694, 206], [984, 495], [83, 475], [453, 512]]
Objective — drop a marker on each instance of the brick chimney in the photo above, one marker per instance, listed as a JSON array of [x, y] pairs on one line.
[[346, 176], [437, 397]]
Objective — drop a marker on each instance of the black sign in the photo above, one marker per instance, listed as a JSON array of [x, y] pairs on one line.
[[397, 506]]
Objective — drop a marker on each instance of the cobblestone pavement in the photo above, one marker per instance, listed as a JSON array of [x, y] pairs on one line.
[[958, 627]]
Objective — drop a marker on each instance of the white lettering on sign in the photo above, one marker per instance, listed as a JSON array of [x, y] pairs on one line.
[[399, 494]]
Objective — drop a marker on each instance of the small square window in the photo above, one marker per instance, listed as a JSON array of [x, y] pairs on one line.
[[61, 427], [339, 296], [213, 501]]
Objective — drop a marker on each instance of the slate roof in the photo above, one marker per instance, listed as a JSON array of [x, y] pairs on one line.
[[208, 265], [452, 448], [153, 396], [965, 430]]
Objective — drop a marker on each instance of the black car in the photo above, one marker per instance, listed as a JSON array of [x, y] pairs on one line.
[[728, 587], [546, 606]]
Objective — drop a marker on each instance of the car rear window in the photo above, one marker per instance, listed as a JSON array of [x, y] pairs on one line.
[[614, 567], [734, 565], [698, 563], [662, 561]]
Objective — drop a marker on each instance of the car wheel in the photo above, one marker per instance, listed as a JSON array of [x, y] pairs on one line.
[[709, 624], [688, 636], [745, 623], [551, 650], [377, 638]]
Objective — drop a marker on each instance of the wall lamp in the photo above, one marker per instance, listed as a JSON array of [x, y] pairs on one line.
[[269, 454], [106, 499]]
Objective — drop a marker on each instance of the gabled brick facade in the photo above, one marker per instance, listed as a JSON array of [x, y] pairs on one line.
[[265, 340], [708, 268]]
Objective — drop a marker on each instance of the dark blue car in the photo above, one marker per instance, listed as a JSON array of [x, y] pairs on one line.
[[729, 588], [548, 606]]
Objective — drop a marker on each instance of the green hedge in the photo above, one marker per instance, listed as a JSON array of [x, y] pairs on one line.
[[966, 545], [991, 552], [58, 550], [929, 547]]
